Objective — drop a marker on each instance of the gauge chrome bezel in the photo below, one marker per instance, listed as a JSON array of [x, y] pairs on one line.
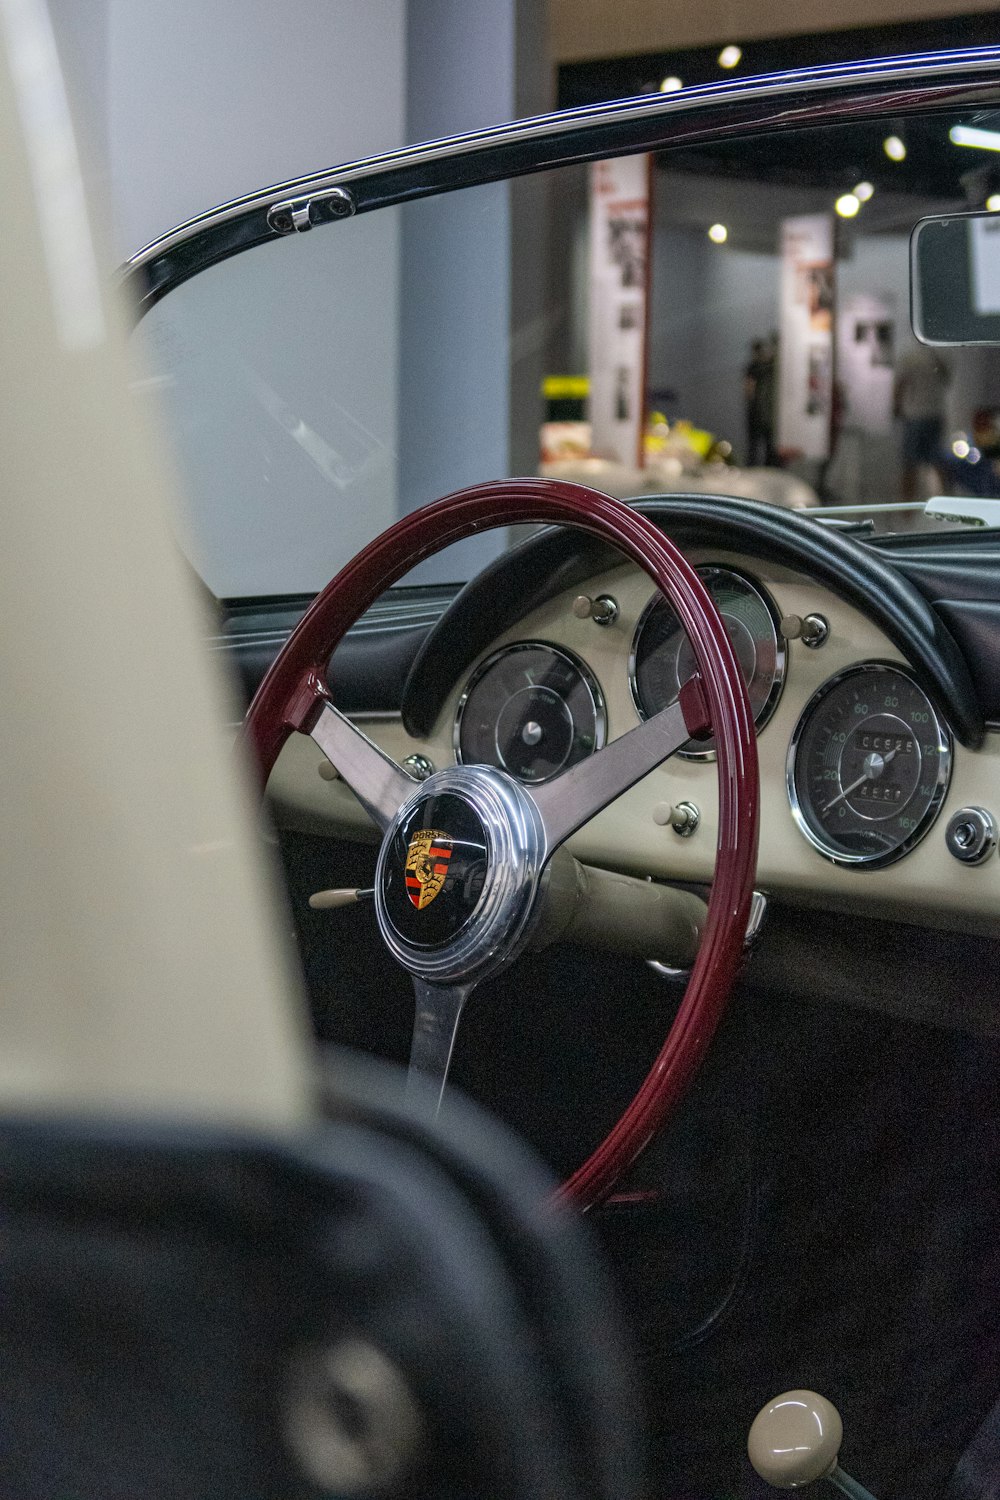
[[707, 571], [944, 738], [589, 681]]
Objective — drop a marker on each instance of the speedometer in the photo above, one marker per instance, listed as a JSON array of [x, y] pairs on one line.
[[662, 657], [868, 766]]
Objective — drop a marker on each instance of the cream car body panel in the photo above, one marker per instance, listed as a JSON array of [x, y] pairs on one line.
[[139, 951]]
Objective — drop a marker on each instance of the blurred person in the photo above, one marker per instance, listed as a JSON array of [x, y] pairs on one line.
[[838, 412], [759, 381], [918, 402]]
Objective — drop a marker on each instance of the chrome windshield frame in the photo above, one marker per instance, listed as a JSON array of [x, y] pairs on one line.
[[776, 102]]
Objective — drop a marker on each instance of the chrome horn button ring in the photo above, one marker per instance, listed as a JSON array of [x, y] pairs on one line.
[[457, 874]]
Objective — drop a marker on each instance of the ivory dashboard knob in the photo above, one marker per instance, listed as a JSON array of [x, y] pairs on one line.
[[334, 900], [795, 1439]]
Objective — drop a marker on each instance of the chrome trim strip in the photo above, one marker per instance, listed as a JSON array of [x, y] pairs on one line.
[[833, 512], [383, 618], [241, 642], [864, 861], [921, 71]]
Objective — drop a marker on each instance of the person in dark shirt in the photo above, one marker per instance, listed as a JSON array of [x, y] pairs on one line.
[[758, 388]]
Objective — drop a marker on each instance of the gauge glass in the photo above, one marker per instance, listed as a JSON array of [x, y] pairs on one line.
[[868, 766], [530, 709], [663, 658]]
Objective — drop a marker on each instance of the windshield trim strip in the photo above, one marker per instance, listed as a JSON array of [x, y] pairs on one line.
[[772, 102]]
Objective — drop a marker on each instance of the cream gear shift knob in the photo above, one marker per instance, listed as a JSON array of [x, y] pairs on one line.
[[795, 1440]]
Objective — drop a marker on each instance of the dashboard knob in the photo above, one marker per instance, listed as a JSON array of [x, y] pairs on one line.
[[815, 629], [795, 1439], [603, 610], [684, 819], [812, 630], [971, 835], [419, 767], [334, 900]]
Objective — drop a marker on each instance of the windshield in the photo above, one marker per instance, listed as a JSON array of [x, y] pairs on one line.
[[731, 318]]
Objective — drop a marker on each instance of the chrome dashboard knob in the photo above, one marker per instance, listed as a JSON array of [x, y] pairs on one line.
[[603, 610], [971, 835], [812, 630]]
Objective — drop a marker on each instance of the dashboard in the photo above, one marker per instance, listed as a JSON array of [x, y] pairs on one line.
[[860, 772]]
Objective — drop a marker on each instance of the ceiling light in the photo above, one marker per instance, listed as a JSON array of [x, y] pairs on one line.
[[730, 56], [961, 448], [993, 203], [718, 234], [968, 135], [894, 148], [847, 205], [863, 191], [671, 85]]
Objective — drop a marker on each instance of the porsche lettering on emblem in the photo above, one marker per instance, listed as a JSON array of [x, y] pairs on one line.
[[426, 865]]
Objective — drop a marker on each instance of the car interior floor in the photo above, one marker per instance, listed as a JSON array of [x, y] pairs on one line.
[[822, 1212]]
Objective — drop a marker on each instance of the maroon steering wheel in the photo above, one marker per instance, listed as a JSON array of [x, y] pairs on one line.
[[500, 835]]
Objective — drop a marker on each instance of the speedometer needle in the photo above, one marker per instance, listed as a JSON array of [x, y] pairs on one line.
[[875, 764]]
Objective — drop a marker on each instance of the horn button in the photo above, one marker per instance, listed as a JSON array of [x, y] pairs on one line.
[[435, 872]]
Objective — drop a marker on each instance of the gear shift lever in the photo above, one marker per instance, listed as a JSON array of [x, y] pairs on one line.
[[795, 1440]]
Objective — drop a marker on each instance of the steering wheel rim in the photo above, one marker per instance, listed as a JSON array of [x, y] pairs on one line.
[[294, 694]]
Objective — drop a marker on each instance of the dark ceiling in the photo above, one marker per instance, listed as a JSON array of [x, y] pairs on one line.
[[933, 167], [623, 77], [840, 156]]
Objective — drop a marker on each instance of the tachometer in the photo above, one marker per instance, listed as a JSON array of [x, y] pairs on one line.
[[868, 766], [530, 709], [662, 659]]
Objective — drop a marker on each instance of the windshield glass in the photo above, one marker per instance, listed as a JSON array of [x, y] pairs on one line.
[[731, 318]]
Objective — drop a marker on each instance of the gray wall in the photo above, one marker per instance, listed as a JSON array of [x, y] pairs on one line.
[[472, 294], [206, 102], [455, 293], [708, 304], [187, 105]]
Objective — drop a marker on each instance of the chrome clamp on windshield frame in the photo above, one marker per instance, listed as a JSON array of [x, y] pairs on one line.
[[758, 911], [297, 215]]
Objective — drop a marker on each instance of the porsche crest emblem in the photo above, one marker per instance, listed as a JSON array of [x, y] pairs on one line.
[[427, 865]]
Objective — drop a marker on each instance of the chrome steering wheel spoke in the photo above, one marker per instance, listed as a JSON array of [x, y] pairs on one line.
[[580, 793], [435, 1026], [380, 785]]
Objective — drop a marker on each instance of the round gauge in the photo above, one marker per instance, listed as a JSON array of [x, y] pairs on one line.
[[530, 709], [868, 766], [662, 658]]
